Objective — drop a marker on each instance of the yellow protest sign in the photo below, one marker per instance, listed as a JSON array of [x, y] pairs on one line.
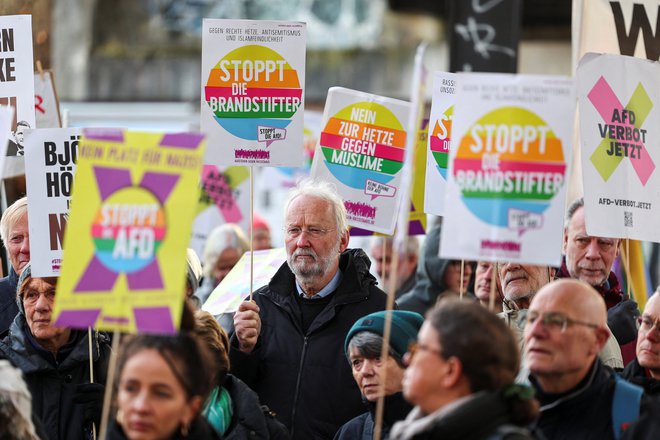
[[125, 245]]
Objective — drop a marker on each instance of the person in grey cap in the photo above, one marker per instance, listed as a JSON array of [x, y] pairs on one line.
[[55, 362], [363, 346]]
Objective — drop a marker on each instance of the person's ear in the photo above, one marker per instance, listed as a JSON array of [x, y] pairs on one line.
[[343, 241], [602, 335], [564, 244], [191, 411], [453, 372]]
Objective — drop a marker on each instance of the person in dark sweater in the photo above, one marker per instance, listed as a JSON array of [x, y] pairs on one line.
[[644, 370], [288, 342]]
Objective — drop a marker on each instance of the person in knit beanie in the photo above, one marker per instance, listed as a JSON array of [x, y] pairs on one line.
[[363, 346]]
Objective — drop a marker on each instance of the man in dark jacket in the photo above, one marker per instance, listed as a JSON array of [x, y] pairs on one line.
[[55, 363], [590, 259], [15, 235], [644, 370], [288, 342], [565, 329]]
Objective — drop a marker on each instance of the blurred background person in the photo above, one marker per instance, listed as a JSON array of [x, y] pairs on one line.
[[16, 237], [55, 362], [482, 285], [162, 383], [363, 346], [232, 408], [460, 378], [381, 255], [15, 405], [224, 247], [260, 233], [193, 276], [436, 277]]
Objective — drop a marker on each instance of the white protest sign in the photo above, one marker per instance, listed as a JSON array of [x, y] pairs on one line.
[[361, 150], [253, 79], [46, 105], [50, 166], [437, 157], [510, 151], [17, 75], [619, 99]]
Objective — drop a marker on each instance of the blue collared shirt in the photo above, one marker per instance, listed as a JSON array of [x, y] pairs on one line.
[[327, 290]]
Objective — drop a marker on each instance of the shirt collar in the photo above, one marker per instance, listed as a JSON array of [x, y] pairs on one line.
[[327, 290]]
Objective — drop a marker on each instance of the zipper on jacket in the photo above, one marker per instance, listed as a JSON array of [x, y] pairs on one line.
[[298, 380]]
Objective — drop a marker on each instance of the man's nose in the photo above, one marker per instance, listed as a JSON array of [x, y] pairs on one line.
[[303, 240], [25, 245], [593, 251]]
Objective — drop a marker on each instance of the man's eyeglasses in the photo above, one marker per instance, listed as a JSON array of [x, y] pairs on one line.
[[646, 323], [555, 321], [294, 232], [414, 348]]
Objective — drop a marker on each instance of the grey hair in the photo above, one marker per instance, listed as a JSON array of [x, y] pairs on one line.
[[11, 216], [227, 236], [572, 209], [369, 345], [321, 190]]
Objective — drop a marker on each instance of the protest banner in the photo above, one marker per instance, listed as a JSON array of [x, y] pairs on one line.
[[224, 198], [125, 267], [46, 104], [511, 138], [50, 166], [253, 78], [17, 76], [439, 141], [361, 151], [618, 98], [235, 288]]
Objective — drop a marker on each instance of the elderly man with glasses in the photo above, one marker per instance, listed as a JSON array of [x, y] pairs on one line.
[[566, 327], [644, 370], [288, 344]]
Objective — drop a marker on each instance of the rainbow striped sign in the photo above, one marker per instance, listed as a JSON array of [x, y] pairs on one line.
[[507, 169], [253, 74], [361, 148], [124, 268]]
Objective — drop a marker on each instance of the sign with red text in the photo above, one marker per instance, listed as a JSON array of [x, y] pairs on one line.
[[17, 76], [361, 150], [46, 104], [511, 137], [50, 166], [619, 98], [253, 79], [439, 141]]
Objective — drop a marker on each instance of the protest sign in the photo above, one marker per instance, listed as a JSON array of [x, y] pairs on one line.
[[235, 287], [511, 138], [6, 116], [253, 78], [224, 198], [361, 151], [125, 267], [46, 104], [439, 141], [618, 100], [50, 165], [17, 76]]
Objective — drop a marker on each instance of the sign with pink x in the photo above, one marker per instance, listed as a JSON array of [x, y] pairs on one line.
[[620, 145]]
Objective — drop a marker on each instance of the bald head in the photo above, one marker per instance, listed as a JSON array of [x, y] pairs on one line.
[[566, 328]]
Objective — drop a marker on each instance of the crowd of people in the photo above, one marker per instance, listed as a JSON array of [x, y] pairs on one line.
[[472, 350]]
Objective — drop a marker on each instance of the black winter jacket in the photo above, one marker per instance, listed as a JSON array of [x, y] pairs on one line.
[[53, 385], [250, 420], [200, 429], [362, 427], [635, 373], [8, 307], [304, 376]]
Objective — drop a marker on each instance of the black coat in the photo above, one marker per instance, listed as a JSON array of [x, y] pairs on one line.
[[52, 384], [635, 373], [362, 426], [8, 307], [250, 419], [304, 376], [200, 429], [584, 412]]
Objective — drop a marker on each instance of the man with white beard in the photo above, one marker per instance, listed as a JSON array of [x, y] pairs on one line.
[[288, 343]]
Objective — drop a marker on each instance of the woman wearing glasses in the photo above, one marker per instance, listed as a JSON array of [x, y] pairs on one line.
[[460, 378]]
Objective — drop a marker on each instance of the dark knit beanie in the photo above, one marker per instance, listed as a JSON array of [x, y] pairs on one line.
[[405, 326], [27, 272]]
